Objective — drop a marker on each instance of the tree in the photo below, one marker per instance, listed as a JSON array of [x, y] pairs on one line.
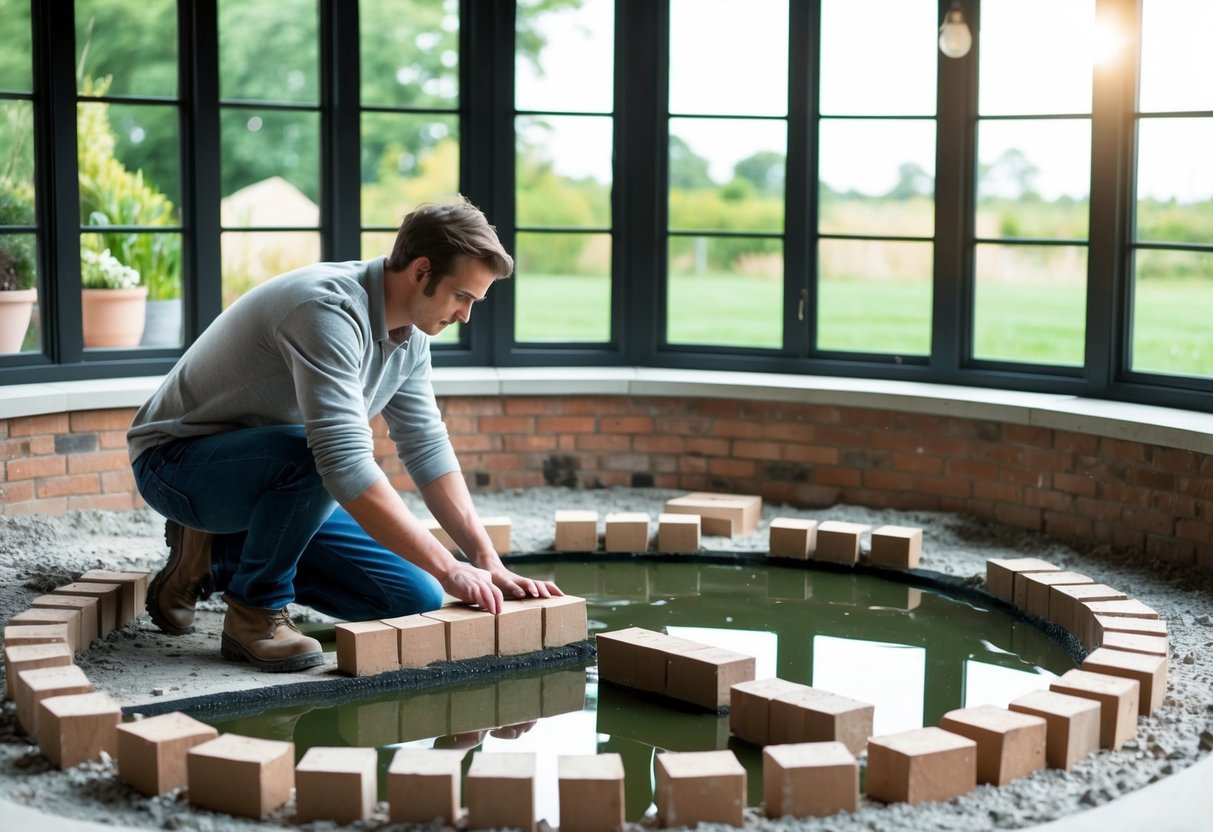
[[687, 169], [912, 181], [764, 170]]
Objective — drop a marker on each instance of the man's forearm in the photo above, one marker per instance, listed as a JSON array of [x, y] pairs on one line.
[[384, 516], [449, 501]]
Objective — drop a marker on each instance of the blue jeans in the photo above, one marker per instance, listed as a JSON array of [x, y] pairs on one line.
[[279, 536]]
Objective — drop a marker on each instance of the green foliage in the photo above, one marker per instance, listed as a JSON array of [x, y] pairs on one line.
[[101, 270], [110, 194], [18, 268]]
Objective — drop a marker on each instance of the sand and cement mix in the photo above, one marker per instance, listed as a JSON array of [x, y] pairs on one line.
[[139, 665]]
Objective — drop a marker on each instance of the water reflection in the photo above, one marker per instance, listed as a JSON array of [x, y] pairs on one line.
[[913, 653]]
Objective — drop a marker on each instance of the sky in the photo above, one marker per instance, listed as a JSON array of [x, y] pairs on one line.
[[879, 57]]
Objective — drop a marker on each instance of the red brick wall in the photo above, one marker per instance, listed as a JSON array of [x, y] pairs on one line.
[[1072, 486]]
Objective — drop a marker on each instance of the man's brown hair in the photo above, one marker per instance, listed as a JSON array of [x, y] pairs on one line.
[[445, 233]]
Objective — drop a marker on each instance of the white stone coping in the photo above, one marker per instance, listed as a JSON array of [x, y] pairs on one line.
[[1184, 429]]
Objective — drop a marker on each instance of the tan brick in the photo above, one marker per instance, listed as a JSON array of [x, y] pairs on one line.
[[242, 776], [77, 728], [720, 514], [337, 784], [750, 707], [365, 648], [921, 765], [18, 657], [423, 785], [87, 607], [519, 628], [812, 779], [565, 620], [109, 600], [627, 532], [420, 640], [1134, 643], [1032, 590], [151, 751], [591, 791], [32, 686], [838, 542], [636, 657], [18, 635], [132, 594], [1099, 627], [69, 618], [499, 531], [1131, 612], [1001, 574], [1149, 671], [470, 633], [704, 676], [813, 715], [897, 547], [699, 787], [1065, 604], [789, 537], [501, 790], [1010, 744], [678, 533], [1072, 725], [576, 531], [1118, 701]]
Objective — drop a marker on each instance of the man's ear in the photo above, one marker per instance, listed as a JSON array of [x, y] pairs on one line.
[[421, 268]]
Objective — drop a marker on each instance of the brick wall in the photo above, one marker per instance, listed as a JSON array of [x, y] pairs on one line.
[[1075, 487]]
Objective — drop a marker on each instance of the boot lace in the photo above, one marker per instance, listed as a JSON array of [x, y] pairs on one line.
[[281, 618]]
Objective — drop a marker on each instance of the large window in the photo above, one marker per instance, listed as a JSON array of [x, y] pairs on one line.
[[1173, 239]]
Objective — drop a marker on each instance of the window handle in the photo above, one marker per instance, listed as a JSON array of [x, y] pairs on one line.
[[803, 302]]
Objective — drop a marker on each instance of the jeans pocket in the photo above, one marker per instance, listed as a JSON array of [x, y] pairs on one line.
[[167, 500]]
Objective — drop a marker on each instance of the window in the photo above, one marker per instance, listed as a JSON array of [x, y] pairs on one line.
[[1033, 181], [876, 177], [1173, 239], [563, 123], [269, 122], [20, 328], [727, 157]]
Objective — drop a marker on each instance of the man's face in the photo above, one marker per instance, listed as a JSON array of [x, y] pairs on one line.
[[453, 297]]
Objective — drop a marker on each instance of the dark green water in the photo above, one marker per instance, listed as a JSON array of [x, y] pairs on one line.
[[915, 654]]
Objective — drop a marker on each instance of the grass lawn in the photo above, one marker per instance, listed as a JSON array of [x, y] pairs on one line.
[[1033, 324]]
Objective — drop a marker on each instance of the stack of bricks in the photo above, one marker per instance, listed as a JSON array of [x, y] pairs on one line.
[[457, 633], [672, 666], [833, 541], [776, 712]]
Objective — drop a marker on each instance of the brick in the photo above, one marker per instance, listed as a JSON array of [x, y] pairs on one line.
[[337, 784], [109, 598], [132, 593], [77, 728], [789, 537], [636, 657], [31, 686], [720, 514], [83, 421], [440, 534], [1032, 591], [73, 484], [68, 618], [838, 542], [365, 648], [565, 424], [470, 633], [18, 635], [565, 620], [576, 531], [921, 765], [750, 707], [591, 791], [897, 547], [627, 532], [562, 692], [1099, 627], [1118, 701], [36, 468], [678, 533], [151, 751], [499, 530], [87, 607], [423, 785], [420, 641], [1133, 643], [242, 776], [703, 676], [1149, 671], [1010, 744], [1072, 725], [1003, 574], [1131, 609], [501, 790], [699, 787], [19, 657], [814, 715], [812, 779], [1065, 604], [519, 628]]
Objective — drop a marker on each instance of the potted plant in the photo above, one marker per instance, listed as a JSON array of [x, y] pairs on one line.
[[112, 301], [18, 272]]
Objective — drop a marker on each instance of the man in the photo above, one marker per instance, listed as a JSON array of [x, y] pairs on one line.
[[257, 448]]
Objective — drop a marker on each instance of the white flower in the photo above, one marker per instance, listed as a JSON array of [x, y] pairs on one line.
[[105, 271]]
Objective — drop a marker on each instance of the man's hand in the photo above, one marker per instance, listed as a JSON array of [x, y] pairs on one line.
[[473, 586], [513, 585]]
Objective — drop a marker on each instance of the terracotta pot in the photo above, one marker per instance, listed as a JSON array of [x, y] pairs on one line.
[[113, 317], [15, 308]]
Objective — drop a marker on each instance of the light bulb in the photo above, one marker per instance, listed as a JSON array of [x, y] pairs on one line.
[[955, 39]]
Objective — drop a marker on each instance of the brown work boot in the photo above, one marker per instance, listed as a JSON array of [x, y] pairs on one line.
[[267, 639], [183, 581]]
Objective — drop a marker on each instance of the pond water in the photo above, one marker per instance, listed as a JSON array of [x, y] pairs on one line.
[[913, 653]]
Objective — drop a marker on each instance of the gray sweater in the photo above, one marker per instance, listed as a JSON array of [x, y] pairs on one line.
[[310, 348]]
